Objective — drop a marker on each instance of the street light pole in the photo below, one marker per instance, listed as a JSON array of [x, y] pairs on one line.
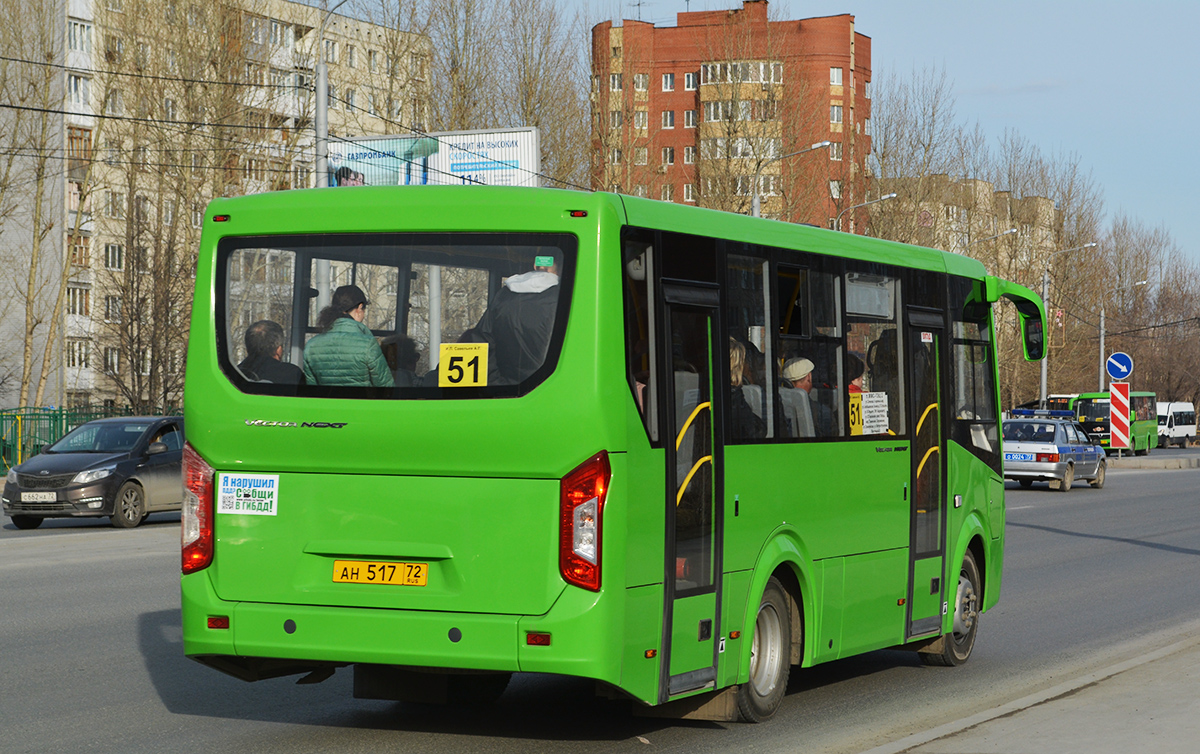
[[1045, 296], [1105, 298], [837, 221], [755, 202], [321, 114]]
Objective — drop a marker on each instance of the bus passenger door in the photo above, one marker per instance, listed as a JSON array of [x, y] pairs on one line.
[[692, 602], [927, 537]]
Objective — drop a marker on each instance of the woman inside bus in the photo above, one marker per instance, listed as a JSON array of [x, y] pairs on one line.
[[345, 353]]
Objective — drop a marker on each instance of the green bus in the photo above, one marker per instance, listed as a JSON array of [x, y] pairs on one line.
[[1093, 409], [674, 450]]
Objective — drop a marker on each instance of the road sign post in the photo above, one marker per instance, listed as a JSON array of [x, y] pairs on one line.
[[1118, 415]]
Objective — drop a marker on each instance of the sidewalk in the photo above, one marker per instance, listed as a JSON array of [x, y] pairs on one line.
[[1148, 703]]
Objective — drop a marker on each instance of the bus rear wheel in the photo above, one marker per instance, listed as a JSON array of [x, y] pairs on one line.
[[770, 657], [956, 646]]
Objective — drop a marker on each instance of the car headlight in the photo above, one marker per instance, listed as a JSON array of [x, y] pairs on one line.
[[12, 476], [93, 475]]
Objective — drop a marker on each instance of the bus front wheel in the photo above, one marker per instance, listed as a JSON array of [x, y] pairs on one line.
[[770, 657], [956, 646]]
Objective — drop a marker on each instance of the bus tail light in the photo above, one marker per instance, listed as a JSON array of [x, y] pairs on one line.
[[196, 530], [581, 510], [1047, 457]]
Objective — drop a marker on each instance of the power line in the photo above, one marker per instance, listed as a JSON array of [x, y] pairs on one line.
[[177, 79]]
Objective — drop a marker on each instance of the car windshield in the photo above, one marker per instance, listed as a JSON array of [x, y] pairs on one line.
[[101, 438], [1162, 420], [1018, 431]]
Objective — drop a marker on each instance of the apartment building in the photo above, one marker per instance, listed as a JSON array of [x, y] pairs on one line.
[[712, 109], [158, 106]]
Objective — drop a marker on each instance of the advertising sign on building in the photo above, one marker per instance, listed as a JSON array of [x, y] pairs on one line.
[[503, 157]]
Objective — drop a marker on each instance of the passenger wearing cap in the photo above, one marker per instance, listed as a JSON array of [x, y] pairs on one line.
[[856, 367], [345, 353], [797, 374]]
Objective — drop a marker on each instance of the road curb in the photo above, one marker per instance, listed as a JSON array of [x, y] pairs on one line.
[[1032, 700], [1154, 463]]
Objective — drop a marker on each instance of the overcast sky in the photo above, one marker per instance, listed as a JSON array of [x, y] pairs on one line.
[[1113, 82]]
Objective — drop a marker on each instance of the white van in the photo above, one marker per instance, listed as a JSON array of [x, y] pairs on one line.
[[1176, 424]]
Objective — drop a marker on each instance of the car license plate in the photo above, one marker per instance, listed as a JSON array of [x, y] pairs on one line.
[[393, 574], [39, 497], [1018, 456]]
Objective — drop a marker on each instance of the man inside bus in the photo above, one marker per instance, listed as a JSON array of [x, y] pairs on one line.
[[264, 355], [345, 352], [519, 321], [797, 377]]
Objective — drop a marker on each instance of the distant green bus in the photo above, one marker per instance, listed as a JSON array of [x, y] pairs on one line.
[[674, 450], [1093, 410]]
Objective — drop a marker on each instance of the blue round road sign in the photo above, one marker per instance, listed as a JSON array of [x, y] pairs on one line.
[[1119, 366]]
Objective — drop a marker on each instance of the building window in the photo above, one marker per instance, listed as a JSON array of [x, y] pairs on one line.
[[835, 76], [689, 155], [689, 192], [112, 360], [614, 82], [689, 81], [114, 205], [78, 90], [614, 156], [835, 151], [197, 215], [114, 256], [351, 56], [113, 103], [80, 254], [79, 36], [616, 52], [79, 300], [866, 90], [300, 176], [835, 113], [668, 155], [641, 120], [668, 82], [689, 118], [835, 189], [668, 119], [168, 212], [640, 155], [866, 124], [112, 308], [615, 119], [372, 61], [331, 51], [668, 192], [641, 82], [348, 98], [141, 209], [77, 352], [640, 190]]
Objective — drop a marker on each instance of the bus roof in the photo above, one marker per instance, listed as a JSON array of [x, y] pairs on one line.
[[434, 208]]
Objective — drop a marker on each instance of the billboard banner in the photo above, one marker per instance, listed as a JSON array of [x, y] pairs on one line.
[[503, 157]]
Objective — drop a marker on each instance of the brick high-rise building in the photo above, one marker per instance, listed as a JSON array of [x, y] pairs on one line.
[[691, 113]]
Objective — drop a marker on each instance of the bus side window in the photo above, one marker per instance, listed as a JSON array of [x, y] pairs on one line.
[[640, 358], [808, 349], [874, 377]]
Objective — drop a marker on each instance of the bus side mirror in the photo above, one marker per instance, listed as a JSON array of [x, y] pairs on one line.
[[1030, 311]]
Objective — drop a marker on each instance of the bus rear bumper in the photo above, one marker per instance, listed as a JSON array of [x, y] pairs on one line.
[[268, 640]]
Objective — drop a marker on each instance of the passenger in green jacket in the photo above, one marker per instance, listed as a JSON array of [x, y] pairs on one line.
[[346, 353]]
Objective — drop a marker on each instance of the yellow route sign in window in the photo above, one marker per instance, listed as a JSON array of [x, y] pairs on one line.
[[856, 413], [463, 365]]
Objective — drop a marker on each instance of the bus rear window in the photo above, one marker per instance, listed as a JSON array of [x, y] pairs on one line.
[[393, 315]]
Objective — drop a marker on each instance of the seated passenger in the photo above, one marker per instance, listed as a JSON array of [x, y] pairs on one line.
[[518, 323], [746, 424], [346, 353], [402, 357], [264, 355], [797, 377]]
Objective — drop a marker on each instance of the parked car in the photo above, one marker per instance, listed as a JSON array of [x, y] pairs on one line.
[[1050, 446], [124, 468], [1176, 423]]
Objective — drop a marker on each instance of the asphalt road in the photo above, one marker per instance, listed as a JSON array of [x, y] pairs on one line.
[[91, 657]]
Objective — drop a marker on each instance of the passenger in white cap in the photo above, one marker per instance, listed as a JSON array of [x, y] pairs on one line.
[[796, 406]]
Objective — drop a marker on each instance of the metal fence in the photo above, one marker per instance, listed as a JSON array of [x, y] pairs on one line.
[[25, 431]]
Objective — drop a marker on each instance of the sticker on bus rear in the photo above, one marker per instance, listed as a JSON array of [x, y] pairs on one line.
[[248, 494], [463, 365]]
